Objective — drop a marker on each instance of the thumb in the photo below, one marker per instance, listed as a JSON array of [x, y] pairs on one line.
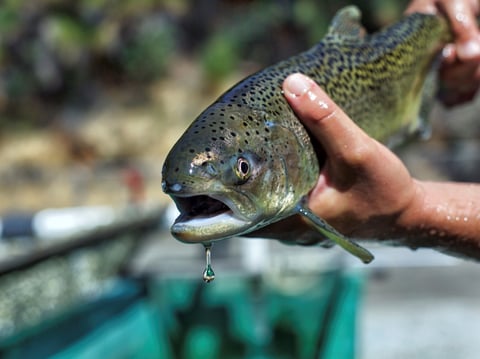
[[339, 136]]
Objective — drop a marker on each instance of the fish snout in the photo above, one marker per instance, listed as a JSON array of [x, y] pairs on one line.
[[172, 188]]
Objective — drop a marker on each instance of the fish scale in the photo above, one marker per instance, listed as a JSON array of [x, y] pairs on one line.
[[250, 153]]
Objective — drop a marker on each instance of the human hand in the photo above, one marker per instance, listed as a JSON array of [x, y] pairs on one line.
[[363, 188], [460, 70]]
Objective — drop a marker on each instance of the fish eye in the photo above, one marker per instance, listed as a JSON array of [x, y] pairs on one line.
[[242, 169]]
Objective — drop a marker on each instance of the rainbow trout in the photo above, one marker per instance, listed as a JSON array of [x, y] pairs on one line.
[[247, 161]]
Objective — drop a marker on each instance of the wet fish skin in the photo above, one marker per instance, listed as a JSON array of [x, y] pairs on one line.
[[250, 153]]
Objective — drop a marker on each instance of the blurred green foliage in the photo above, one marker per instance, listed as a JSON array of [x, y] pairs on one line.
[[57, 53], [246, 29], [149, 50]]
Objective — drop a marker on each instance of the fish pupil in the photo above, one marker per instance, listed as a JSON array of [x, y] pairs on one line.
[[244, 167], [242, 170]]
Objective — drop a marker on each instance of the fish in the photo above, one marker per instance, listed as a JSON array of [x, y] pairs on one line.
[[247, 162]]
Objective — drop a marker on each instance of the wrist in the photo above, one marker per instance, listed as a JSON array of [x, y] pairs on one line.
[[410, 219], [443, 216]]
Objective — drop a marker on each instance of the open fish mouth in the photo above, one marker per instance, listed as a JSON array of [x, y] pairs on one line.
[[205, 218], [197, 207]]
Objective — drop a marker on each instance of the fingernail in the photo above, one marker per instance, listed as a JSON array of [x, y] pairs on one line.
[[469, 50], [296, 85]]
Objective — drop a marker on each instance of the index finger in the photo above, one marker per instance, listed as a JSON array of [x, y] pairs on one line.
[[461, 15]]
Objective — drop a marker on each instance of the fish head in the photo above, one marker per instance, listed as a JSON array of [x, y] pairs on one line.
[[226, 175]]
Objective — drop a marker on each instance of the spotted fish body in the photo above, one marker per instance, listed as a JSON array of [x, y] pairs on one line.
[[247, 161]]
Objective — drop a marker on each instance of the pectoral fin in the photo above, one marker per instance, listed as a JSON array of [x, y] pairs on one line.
[[329, 232]]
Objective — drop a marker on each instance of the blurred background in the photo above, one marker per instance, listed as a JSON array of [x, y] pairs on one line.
[[93, 93]]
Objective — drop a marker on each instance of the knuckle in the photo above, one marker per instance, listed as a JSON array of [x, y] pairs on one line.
[[362, 154]]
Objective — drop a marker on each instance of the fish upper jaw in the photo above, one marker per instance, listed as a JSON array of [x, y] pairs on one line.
[[210, 217]]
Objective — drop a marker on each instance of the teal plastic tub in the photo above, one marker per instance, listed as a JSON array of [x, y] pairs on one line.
[[304, 316]]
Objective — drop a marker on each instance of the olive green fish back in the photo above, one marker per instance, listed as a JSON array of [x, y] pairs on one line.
[[377, 79]]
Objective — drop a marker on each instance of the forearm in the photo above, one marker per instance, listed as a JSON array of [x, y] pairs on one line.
[[444, 216]]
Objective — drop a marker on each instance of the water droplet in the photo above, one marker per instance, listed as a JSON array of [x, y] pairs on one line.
[[208, 273], [461, 17]]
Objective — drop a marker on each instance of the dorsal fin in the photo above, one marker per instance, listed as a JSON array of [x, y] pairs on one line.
[[346, 24]]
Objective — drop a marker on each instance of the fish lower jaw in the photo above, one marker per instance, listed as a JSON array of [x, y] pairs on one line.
[[208, 229]]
